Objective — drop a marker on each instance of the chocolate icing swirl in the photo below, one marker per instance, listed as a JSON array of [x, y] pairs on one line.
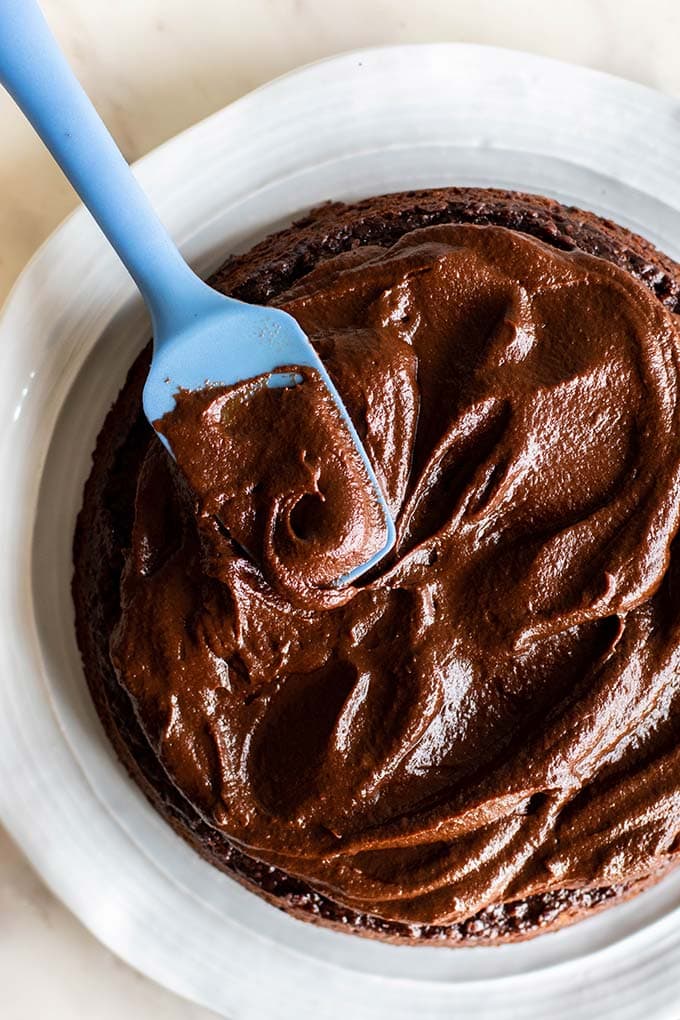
[[493, 714], [275, 469]]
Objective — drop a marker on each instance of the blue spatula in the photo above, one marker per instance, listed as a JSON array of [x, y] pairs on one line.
[[200, 336]]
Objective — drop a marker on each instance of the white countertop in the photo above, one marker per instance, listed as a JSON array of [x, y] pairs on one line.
[[152, 68]]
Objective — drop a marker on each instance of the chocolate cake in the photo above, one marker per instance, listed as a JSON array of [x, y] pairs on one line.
[[480, 740]]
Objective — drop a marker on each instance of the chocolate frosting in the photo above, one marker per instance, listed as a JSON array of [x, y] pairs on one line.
[[493, 714], [275, 469]]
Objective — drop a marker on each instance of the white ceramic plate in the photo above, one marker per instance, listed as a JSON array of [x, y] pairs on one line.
[[357, 124]]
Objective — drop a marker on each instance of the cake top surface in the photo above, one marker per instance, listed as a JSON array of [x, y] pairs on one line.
[[489, 715]]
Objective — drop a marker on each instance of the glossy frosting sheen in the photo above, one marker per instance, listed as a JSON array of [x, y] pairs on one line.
[[496, 712]]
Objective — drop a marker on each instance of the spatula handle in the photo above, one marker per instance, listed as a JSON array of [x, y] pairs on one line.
[[37, 75]]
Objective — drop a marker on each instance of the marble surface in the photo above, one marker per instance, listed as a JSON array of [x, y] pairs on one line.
[[153, 68]]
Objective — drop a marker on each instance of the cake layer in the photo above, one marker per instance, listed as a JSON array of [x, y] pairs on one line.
[[477, 743]]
